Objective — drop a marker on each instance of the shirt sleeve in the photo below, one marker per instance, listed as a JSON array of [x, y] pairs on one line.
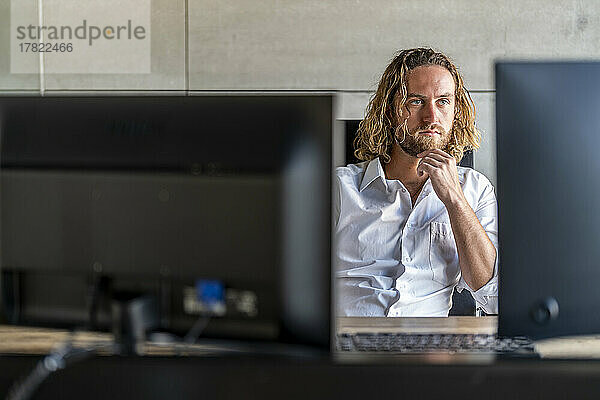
[[487, 214], [336, 201]]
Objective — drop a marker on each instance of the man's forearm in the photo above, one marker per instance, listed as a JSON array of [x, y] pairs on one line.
[[476, 253]]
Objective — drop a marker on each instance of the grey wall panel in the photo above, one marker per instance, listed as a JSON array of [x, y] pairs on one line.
[[168, 45], [352, 105], [484, 159], [12, 81], [338, 44]]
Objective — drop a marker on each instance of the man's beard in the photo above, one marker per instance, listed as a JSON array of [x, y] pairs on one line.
[[414, 143]]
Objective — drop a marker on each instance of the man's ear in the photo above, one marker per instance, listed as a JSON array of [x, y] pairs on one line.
[[394, 112], [397, 111], [400, 115]]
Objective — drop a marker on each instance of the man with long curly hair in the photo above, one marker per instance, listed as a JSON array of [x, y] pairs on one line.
[[411, 226]]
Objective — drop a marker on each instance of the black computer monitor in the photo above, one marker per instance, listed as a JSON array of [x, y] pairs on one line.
[[215, 205], [548, 130]]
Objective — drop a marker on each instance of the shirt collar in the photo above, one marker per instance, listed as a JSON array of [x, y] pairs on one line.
[[461, 175], [374, 170]]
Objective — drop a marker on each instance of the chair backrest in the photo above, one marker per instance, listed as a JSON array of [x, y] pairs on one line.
[[462, 303]]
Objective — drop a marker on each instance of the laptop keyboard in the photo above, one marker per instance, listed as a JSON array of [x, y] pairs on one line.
[[419, 343]]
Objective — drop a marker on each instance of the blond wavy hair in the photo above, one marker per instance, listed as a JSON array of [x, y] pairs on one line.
[[376, 132]]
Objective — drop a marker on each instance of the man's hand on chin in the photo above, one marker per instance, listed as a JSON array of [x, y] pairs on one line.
[[441, 169]]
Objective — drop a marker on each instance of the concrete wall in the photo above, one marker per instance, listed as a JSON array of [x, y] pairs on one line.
[[340, 45]]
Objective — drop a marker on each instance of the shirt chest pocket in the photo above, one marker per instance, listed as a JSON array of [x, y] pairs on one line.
[[443, 256]]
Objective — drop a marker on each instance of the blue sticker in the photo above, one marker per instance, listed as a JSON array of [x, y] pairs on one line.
[[210, 291]]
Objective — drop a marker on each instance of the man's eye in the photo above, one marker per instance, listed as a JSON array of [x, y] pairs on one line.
[[415, 102], [444, 102]]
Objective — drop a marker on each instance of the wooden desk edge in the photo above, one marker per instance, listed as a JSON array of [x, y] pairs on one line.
[[447, 325]]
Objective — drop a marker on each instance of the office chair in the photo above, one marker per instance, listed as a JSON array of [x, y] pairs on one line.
[[463, 304]]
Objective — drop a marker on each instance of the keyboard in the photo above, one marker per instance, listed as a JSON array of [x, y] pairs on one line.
[[423, 343]]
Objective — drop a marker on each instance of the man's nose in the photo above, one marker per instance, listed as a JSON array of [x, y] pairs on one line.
[[429, 113]]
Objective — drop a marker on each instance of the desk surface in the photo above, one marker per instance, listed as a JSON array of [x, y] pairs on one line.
[[465, 325], [39, 341], [251, 376], [32, 340]]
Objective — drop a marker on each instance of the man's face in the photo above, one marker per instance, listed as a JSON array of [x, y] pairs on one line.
[[429, 109]]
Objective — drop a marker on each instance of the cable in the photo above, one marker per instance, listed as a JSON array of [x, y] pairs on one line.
[[196, 330], [65, 355], [99, 289]]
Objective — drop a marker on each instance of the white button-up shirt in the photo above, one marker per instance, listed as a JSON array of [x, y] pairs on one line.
[[396, 259]]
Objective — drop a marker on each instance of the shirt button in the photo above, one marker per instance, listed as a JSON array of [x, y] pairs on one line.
[[407, 259]]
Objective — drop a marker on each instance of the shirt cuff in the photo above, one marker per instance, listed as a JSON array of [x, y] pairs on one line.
[[486, 297]]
